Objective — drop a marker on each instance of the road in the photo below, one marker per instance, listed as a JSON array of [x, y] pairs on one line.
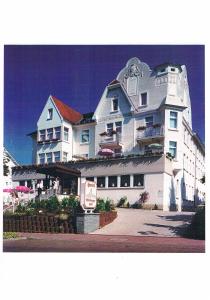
[[40, 242]]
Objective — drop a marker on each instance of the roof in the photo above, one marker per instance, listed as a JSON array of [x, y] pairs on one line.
[[68, 113], [166, 64], [115, 81], [87, 118], [10, 156], [32, 133]]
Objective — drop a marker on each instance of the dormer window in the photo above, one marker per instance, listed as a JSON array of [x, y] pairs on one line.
[[162, 70], [173, 69], [50, 114], [115, 106]]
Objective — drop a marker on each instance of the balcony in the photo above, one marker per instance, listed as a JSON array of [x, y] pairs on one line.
[[150, 134], [113, 141]]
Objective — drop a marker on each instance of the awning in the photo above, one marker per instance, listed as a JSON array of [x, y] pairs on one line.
[[58, 170]]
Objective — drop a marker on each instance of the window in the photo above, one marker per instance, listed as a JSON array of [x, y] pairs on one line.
[[41, 158], [49, 157], [90, 178], [49, 134], [65, 156], [149, 121], [138, 180], [58, 132], [173, 119], [118, 126], [162, 70], [125, 181], [115, 106], [85, 136], [50, 114], [112, 181], [173, 69], [57, 156], [66, 134], [42, 135], [144, 99], [109, 128], [101, 182], [172, 148]]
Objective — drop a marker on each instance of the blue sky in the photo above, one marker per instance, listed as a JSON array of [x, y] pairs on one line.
[[77, 75]]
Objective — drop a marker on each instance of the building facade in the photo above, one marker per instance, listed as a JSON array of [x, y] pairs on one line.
[[143, 122]]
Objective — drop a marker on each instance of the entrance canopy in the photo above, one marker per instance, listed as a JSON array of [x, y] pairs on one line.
[[58, 170]]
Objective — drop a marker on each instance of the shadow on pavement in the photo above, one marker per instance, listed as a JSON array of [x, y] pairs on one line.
[[177, 230], [181, 217]]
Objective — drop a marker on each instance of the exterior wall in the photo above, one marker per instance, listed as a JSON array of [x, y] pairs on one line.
[[153, 185], [84, 148]]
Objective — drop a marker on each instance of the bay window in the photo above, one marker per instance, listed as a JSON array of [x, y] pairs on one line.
[[57, 131]]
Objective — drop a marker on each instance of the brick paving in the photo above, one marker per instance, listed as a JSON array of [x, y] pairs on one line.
[[40, 242]]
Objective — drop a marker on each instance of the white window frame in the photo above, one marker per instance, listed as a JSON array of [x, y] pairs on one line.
[[151, 116], [173, 147], [43, 155], [173, 118], [141, 99], [66, 133], [56, 131], [65, 156], [81, 135], [54, 156], [44, 135], [49, 153], [115, 99], [50, 114], [51, 133]]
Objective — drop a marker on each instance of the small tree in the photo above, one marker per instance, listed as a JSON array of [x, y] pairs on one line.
[[5, 166]]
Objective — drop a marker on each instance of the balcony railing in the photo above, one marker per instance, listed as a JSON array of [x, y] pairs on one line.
[[111, 139], [150, 132]]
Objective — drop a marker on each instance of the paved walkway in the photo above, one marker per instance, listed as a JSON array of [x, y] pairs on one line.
[[46, 242], [138, 222]]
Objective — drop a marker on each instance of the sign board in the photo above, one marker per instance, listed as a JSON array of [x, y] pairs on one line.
[[88, 199]]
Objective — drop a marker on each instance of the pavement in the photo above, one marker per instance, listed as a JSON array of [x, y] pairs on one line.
[[134, 230], [139, 222], [46, 242]]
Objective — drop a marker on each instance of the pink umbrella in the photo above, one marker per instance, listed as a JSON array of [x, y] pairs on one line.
[[23, 189], [10, 190], [106, 152]]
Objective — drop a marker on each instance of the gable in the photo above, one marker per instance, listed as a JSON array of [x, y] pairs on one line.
[[104, 108], [43, 121]]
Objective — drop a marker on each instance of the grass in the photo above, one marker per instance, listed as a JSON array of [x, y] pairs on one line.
[[9, 235]]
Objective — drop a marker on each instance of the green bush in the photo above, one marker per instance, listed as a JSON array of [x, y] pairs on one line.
[[52, 204], [100, 205], [196, 229], [108, 205], [122, 201]]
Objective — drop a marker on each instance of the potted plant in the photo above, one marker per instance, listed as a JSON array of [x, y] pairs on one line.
[[141, 128], [104, 133]]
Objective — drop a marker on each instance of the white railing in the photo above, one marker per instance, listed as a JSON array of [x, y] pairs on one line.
[[115, 138], [150, 132]]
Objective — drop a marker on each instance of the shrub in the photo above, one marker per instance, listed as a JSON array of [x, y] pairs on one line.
[[108, 205], [122, 201], [196, 229], [100, 206], [52, 204]]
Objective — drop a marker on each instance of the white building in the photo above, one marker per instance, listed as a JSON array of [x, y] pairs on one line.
[[9, 162], [144, 117]]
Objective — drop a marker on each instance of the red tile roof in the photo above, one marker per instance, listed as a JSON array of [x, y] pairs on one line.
[[68, 113], [114, 82]]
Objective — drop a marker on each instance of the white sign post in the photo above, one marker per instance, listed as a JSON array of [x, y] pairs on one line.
[[88, 196]]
